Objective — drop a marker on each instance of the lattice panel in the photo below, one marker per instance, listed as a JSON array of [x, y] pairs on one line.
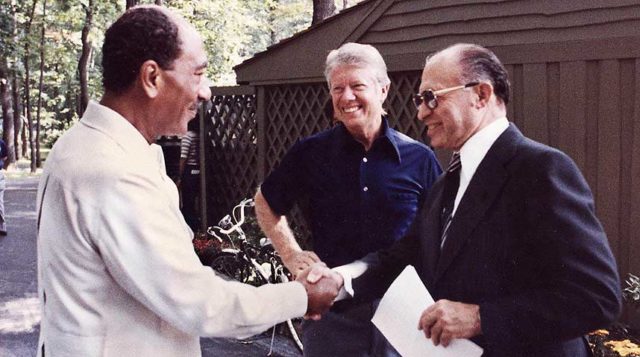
[[399, 104], [232, 152], [294, 112]]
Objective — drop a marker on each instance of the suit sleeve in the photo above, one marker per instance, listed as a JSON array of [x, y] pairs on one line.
[[576, 287]]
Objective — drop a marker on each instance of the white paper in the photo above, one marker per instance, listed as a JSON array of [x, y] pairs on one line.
[[397, 318]]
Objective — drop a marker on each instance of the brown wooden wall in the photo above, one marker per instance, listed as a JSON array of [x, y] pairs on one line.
[[591, 111]]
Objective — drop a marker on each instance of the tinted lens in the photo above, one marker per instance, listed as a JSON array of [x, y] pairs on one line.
[[430, 99], [427, 96], [417, 99]]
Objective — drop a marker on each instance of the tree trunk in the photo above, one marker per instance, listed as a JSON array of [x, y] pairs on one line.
[[27, 85], [24, 144], [7, 111], [159, 2], [15, 88], [132, 3], [273, 5], [41, 83], [87, 47], [17, 115], [321, 10]]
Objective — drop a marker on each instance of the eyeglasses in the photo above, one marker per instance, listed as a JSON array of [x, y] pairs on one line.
[[430, 96]]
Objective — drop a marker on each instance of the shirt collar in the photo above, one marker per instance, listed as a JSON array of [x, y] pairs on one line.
[[477, 146], [115, 126], [386, 135]]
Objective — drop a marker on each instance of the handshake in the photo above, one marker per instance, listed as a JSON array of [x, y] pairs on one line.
[[322, 285]]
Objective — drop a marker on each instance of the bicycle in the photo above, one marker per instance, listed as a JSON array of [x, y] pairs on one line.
[[246, 262]]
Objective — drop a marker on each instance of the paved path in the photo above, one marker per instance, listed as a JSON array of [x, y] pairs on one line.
[[19, 310]]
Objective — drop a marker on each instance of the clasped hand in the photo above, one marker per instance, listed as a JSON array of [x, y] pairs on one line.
[[322, 285]]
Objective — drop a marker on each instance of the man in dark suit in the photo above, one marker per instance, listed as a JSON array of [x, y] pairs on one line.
[[507, 241]]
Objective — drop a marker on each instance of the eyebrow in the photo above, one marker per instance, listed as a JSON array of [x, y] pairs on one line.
[[203, 65]]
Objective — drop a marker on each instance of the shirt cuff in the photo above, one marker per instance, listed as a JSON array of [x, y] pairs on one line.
[[349, 272]]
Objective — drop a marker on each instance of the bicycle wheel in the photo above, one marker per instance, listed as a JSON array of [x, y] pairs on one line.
[[229, 264]]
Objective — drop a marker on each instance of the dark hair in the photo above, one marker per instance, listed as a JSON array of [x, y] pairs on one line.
[[140, 34], [480, 64]]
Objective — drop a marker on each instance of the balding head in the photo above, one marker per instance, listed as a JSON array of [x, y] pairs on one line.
[[477, 64]]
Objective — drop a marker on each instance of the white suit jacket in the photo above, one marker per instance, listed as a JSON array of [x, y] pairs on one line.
[[117, 273]]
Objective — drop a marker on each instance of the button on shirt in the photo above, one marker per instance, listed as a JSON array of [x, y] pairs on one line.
[[358, 201]]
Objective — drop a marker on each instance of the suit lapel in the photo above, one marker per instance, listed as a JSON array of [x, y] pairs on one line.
[[483, 190], [430, 230]]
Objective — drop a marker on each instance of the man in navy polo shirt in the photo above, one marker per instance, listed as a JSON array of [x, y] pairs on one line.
[[363, 181]]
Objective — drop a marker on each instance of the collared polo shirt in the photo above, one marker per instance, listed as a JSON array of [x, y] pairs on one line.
[[356, 201]]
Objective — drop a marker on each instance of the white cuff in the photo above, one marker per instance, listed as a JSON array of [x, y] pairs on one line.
[[349, 272]]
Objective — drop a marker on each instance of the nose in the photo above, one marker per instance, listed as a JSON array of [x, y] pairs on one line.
[[348, 94], [204, 92], [423, 112]]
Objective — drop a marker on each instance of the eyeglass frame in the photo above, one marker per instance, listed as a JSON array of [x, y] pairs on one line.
[[432, 103]]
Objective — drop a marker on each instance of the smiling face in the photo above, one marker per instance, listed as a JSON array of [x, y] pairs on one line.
[[357, 97], [455, 119], [185, 85]]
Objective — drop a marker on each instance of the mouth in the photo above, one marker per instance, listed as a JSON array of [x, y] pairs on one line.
[[351, 109], [432, 126]]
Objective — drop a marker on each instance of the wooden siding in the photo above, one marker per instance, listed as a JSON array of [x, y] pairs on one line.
[[423, 26]]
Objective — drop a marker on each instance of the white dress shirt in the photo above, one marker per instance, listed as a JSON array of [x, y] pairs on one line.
[[117, 272], [473, 152]]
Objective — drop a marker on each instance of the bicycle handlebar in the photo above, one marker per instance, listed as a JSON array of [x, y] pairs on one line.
[[226, 220]]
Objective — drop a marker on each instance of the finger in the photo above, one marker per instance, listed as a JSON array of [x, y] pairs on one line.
[[445, 338], [314, 317], [313, 257], [426, 320], [436, 332], [309, 259]]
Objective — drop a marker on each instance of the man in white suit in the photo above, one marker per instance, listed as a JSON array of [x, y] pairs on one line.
[[117, 274]]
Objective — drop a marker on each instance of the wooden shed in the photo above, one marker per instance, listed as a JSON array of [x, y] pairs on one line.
[[574, 68]]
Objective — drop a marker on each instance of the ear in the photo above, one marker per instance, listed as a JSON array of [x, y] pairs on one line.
[[484, 90], [150, 78], [384, 92]]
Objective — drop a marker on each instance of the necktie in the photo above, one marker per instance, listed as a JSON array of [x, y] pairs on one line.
[[451, 183]]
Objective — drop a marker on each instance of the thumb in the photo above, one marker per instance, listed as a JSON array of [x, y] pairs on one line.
[[315, 275]]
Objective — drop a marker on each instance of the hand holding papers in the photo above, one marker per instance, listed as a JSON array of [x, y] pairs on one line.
[[398, 315]]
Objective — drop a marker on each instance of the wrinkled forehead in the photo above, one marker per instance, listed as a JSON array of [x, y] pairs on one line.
[[351, 72]]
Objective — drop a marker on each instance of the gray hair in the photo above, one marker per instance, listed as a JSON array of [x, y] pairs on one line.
[[359, 55]]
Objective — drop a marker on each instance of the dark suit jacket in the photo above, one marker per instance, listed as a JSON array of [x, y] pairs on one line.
[[524, 244]]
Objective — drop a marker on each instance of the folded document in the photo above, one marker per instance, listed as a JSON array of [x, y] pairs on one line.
[[397, 318]]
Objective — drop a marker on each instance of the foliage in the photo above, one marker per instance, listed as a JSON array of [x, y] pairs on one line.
[[233, 31]]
